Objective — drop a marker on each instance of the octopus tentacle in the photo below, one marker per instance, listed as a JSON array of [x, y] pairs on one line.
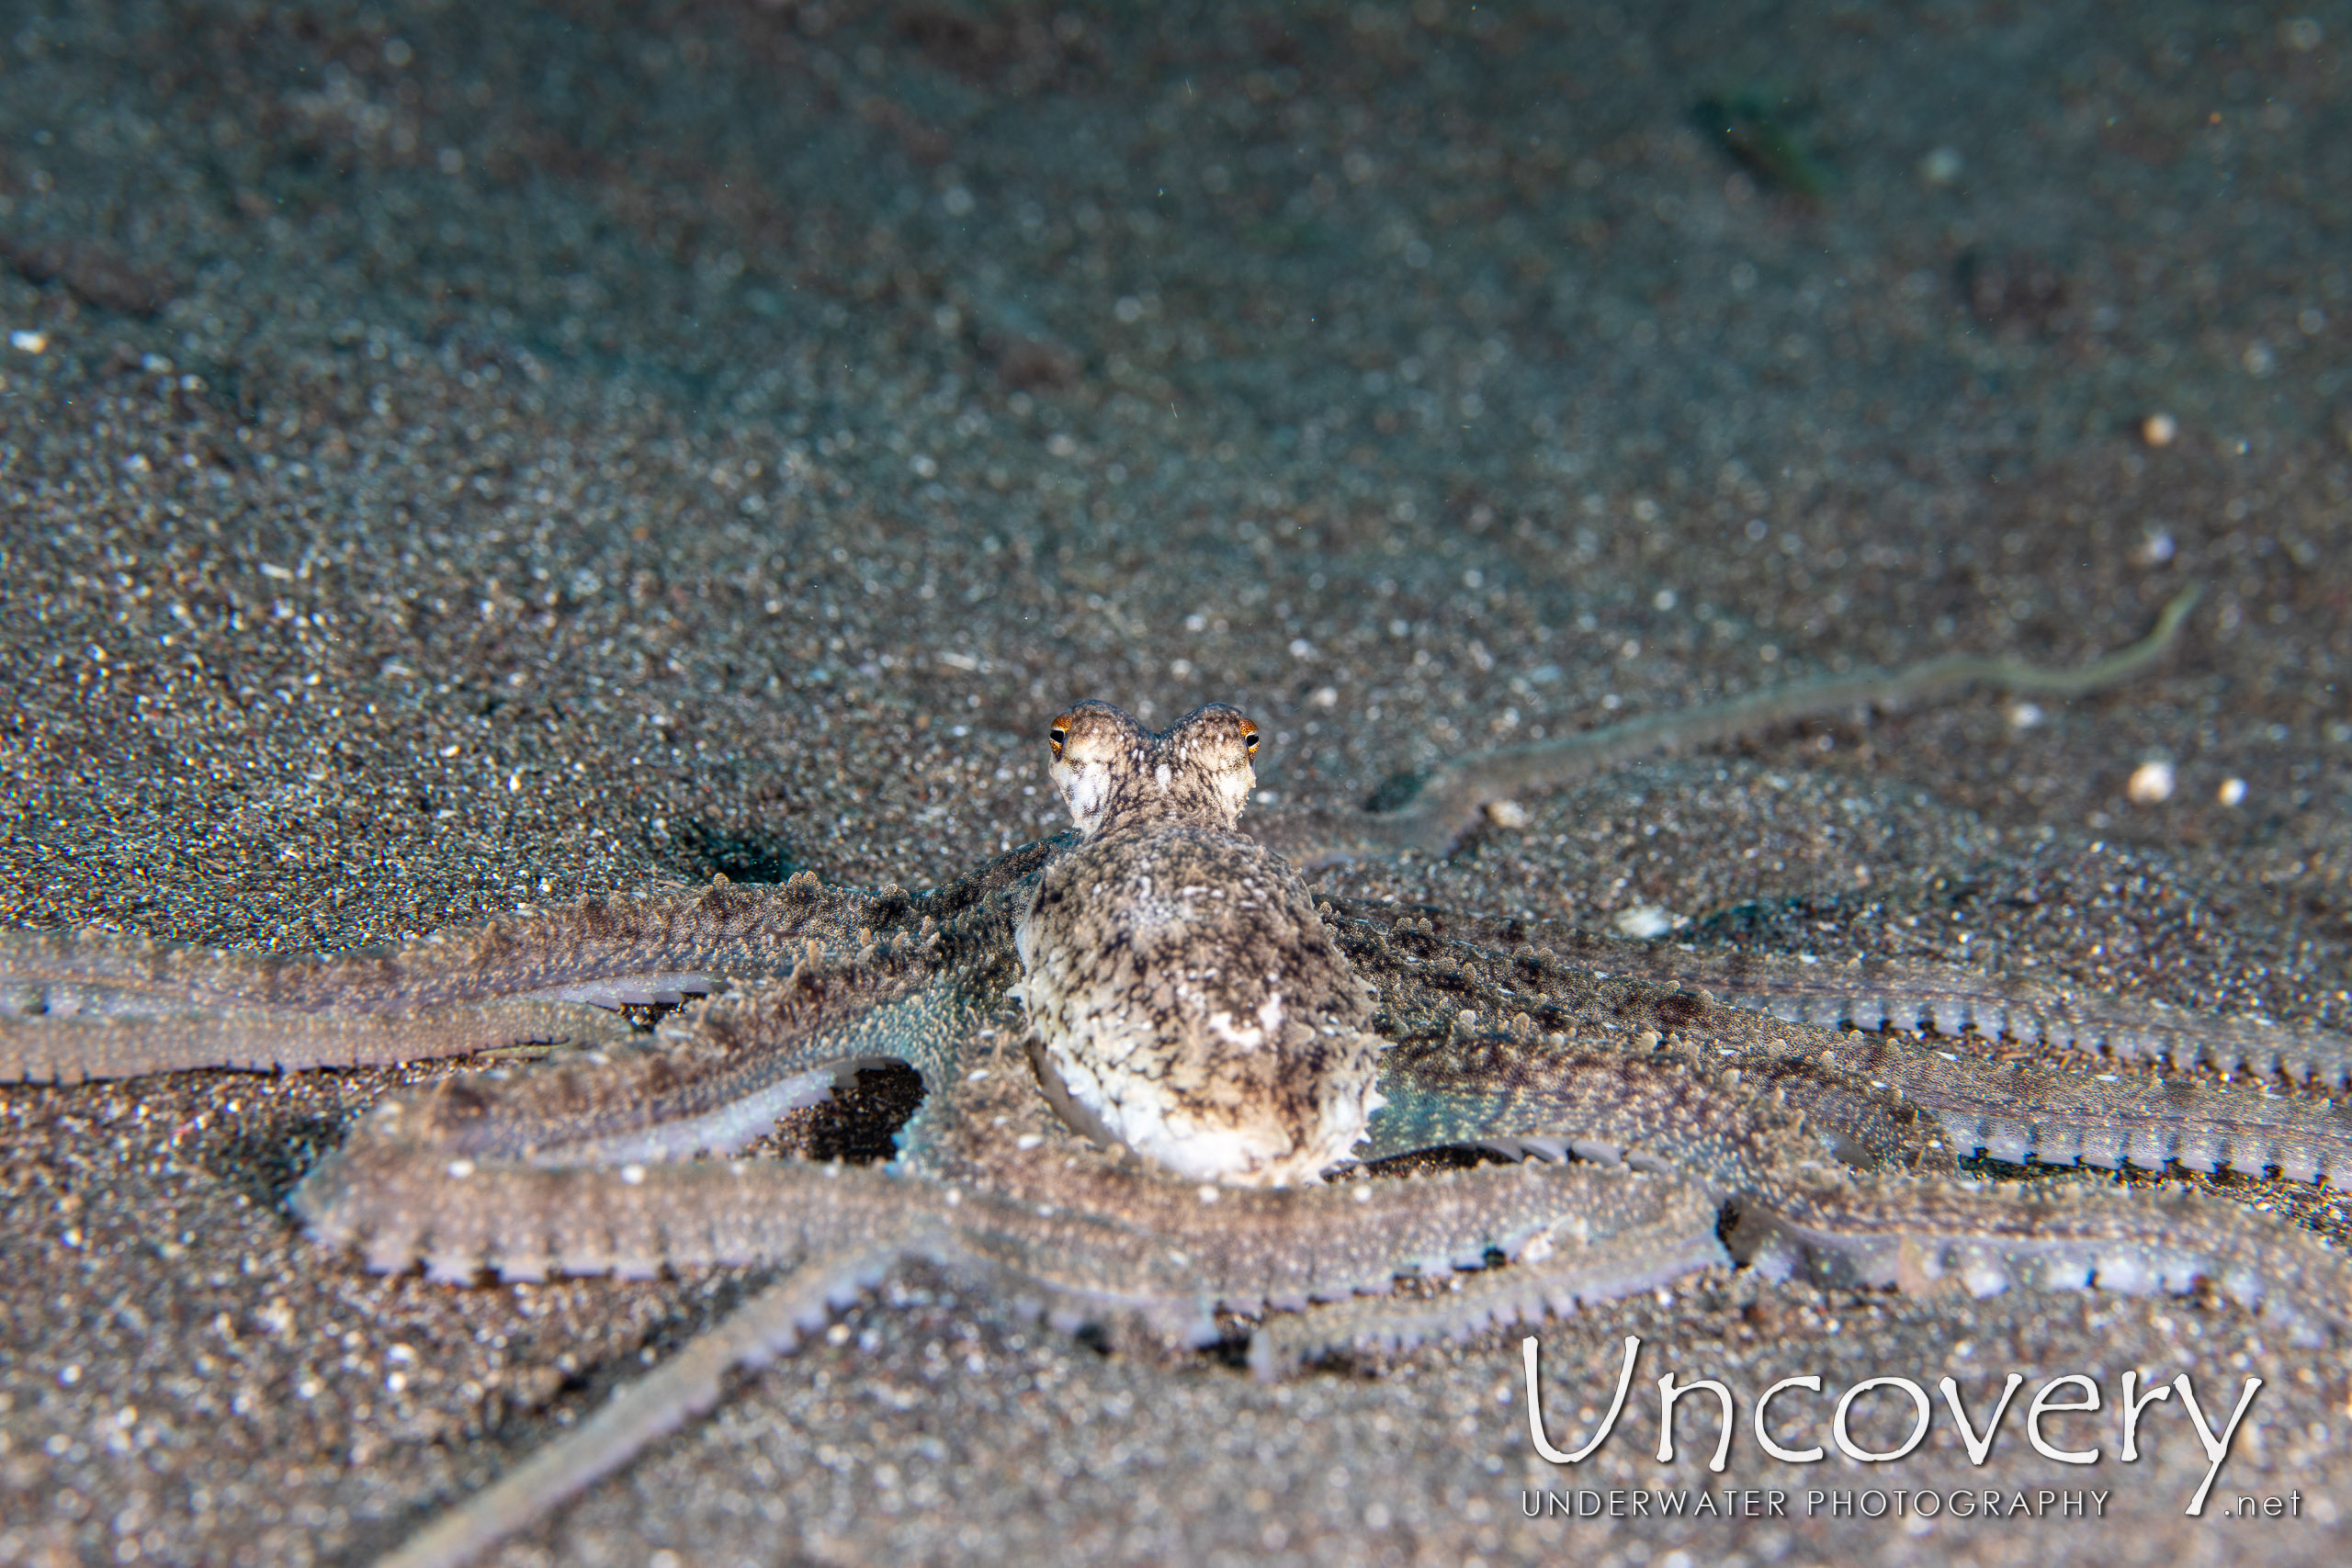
[[403, 1191], [2012, 1112], [1907, 994], [76, 1006], [418, 1183], [1601, 1100], [401, 1198], [717, 1077], [516, 979], [1449, 800], [77, 1050], [768, 1325], [1580, 1261], [1168, 1251], [1985, 1238], [1886, 994], [589, 946], [1251, 1249], [2017, 1111]]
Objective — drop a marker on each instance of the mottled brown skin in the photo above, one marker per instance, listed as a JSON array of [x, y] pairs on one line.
[[1186, 999]]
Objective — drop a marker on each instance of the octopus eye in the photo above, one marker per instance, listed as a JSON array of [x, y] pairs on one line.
[[1249, 738], [1056, 735]]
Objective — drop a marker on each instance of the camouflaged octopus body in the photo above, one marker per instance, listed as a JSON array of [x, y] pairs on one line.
[[1186, 1001]]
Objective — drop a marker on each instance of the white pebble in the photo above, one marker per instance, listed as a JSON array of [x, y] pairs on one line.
[[30, 342], [1643, 922], [2025, 715], [1506, 814], [2159, 429], [2152, 782], [2232, 793]]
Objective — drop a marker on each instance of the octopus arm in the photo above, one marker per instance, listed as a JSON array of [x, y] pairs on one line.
[[94, 1004], [768, 1325], [1601, 1100], [717, 1077], [1857, 1088], [1986, 1238], [397, 1194], [73, 1050], [1642, 1232], [2018, 1112], [1969, 1007], [1164, 1254]]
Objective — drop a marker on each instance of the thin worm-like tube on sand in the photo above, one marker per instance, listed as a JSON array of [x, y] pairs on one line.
[[1450, 799]]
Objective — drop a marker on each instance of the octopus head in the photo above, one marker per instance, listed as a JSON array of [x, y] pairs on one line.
[[1112, 772]]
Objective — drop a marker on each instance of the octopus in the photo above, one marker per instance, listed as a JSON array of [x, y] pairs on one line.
[[1171, 1096]]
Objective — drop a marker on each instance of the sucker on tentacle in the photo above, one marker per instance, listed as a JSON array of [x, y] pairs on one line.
[[519, 980], [2010, 1111], [2067, 1235], [77, 1006], [79, 1050], [1908, 993]]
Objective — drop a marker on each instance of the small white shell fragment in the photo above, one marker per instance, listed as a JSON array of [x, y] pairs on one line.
[[2232, 793], [2152, 782], [2025, 715], [2159, 430], [1506, 814], [1643, 922]]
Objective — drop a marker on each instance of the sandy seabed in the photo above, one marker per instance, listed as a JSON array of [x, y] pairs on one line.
[[457, 457]]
